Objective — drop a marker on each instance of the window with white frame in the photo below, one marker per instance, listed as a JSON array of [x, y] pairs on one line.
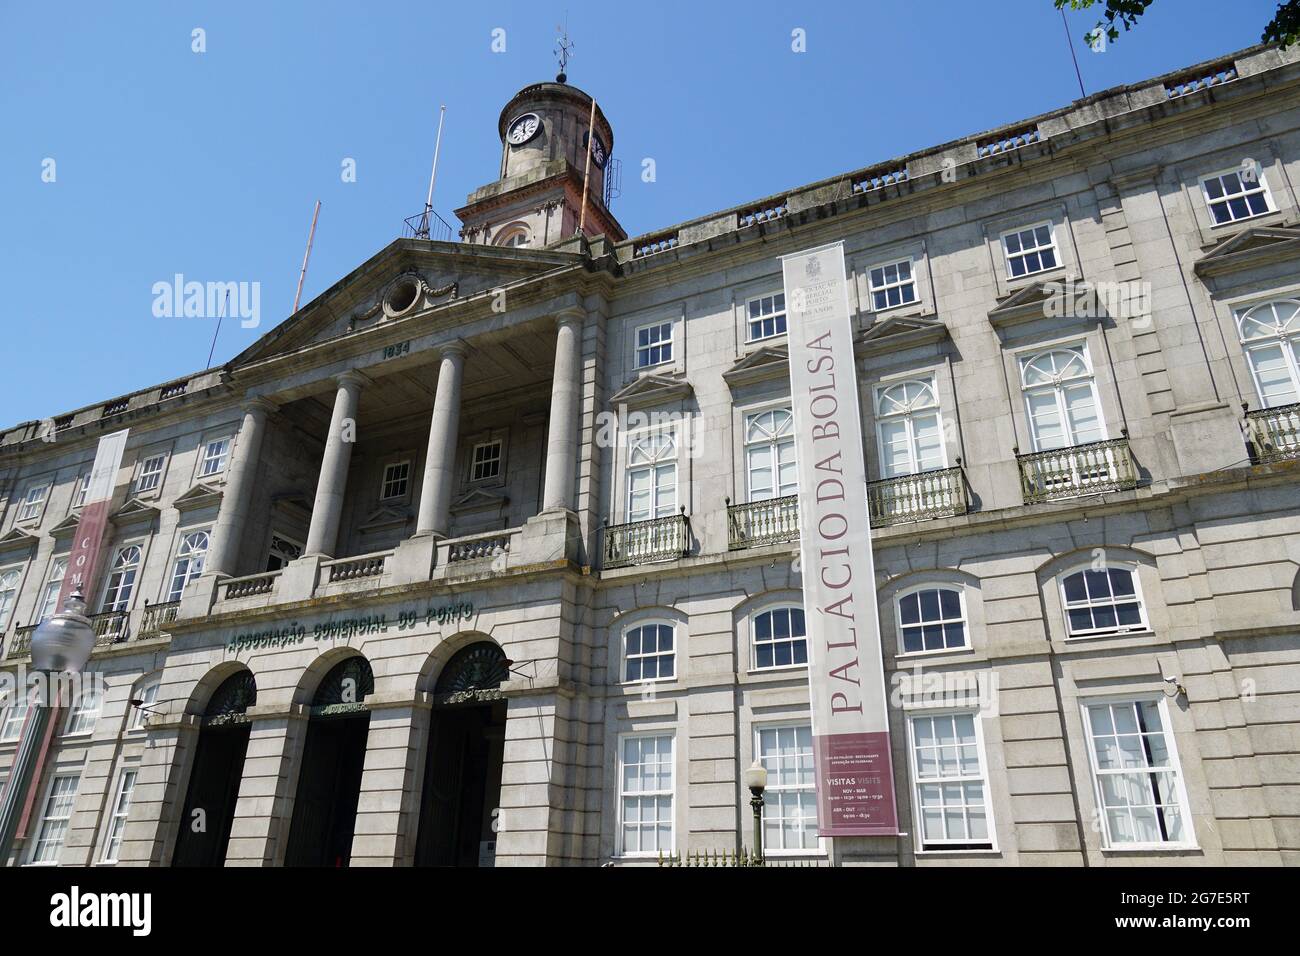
[[150, 475], [146, 692], [397, 478], [83, 714], [514, 238], [1061, 398], [215, 455], [765, 315], [1135, 769], [649, 653], [485, 461], [790, 814], [1029, 251], [188, 564], [769, 455], [83, 489], [780, 639], [1102, 601], [53, 825], [651, 476], [932, 619], [121, 579], [1237, 194], [891, 284], [15, 715], [654, 344], [1270, 334], [49, 602], [950, 782], [9, 579], [33, 502], [908, 428], [117, 816], [646, 795]]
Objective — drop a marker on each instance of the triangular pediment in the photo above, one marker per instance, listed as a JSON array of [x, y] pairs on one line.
[[1256, 246], [760, 365], [1041, 300], [200, 496], [410, 277], [650, 390], [67, 527], [480, 500], [386, 518], [901, 332], [15, 539], [135, 511]]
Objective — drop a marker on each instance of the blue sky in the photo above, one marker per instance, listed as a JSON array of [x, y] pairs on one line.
[[208, 164]]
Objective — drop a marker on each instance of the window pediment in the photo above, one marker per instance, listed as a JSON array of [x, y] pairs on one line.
[[17, 539], [135, 512], [901, 332], [1257, 246], [1049, 300], [200, 496], [762, 364], [652, 390], [385, 519]]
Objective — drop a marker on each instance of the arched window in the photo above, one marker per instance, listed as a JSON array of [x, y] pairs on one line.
[[1270, 334], [1102, 601], [143, 698], [907, 424], [649, 652], [1061, 398], [769, 454], [189, 563], [348, 682], [473, 671], [652, 476], [779, 638], [8, 594], [515, 238], [121, 579], [932, 619]]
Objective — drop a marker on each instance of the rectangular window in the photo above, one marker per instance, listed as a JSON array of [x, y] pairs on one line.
[[646, 795], [15, 716], [148, 697], [33, 503], [766, 316], [485, 461], [397, 477], [780, 638], [150, 476], [84, 713], [892, 284], [790, 812], [50, 596], [648, 653], [117, 818], [1030, 251], [1061, 398], [83, 489], [1237, 194], [769, 455], [654, 344], [53, 826], [8, 594], [1136, 774], [950, 782], [652, 476], [214, 458], [909, 429], [931, 619], [189, 562]]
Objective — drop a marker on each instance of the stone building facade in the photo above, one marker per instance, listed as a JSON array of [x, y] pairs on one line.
[[487, 555]]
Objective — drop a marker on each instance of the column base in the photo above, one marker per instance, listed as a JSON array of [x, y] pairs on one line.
[[414, 558], [298, 579], [548, 537]]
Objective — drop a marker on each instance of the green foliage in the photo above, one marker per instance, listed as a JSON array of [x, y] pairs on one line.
[[1284, 28]]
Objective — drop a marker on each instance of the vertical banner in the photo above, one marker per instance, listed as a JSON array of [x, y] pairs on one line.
[[88, 543], [850, 719]]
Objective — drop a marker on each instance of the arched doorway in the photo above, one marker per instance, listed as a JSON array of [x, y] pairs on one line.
[[462, 772], [217, 772], [333, 756]]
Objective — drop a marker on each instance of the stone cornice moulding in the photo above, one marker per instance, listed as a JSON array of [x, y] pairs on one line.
[[134, 512], [1252, 247], [652, 389], [16, 539], [1031, 303], [765, 363], [901, 332], [200, 496]]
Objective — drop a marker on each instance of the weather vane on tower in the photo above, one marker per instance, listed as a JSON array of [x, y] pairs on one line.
[[563, 50]]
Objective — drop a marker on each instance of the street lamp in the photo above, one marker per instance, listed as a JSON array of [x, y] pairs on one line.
[[60, 645], [756, 781]]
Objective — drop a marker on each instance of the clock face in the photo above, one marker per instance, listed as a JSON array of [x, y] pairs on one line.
[[523, 128], [597, 151]]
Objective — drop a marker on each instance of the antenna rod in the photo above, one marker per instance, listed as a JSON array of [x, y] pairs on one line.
[[306, 256], [433, 175], [1069, 41], [220, 315], [586, 171]]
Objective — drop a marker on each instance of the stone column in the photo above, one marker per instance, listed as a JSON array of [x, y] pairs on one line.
[[260, 825], [566, 398], [386, 827], [440, 458], [322, 536], [228, 532]]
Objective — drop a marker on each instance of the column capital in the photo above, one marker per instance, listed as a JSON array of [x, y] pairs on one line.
[[259, 403], [572, 315], [458, 348], [353, 377]]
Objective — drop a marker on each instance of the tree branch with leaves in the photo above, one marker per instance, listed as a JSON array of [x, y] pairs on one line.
[[1284, 28]]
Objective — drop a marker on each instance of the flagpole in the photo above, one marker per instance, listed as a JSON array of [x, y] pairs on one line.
[[306, 257], [433, 174]]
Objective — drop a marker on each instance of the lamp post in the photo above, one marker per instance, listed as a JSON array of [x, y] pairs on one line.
[[756, 781], [60, 645]]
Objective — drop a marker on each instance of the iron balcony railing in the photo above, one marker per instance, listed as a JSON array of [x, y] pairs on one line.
[[929, 494], [158, 616], [426, 225], [20, 645], [758, 523], [645, 542], [1274, 433], [111, 627], [1089, 469]]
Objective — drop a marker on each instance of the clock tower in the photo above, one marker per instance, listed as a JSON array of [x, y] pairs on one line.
[[536, 200]]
